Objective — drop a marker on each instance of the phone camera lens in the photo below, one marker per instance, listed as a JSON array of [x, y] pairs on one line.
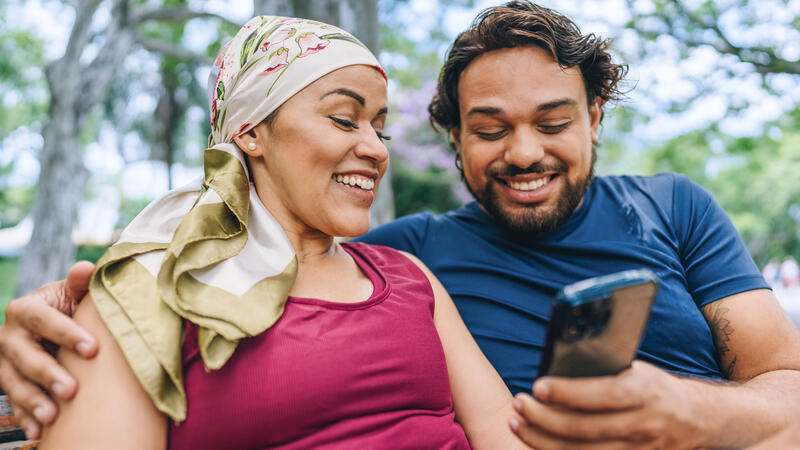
[[600, 316], [572, 334]]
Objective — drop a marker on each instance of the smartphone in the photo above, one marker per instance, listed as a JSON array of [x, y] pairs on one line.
[[597, 324]]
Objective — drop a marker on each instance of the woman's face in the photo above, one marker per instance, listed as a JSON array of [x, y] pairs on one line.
[[323, 156]]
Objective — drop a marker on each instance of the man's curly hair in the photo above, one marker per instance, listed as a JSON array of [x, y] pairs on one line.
[[522, 23]]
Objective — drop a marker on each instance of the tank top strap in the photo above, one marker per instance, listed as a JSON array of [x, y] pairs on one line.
[[399, 272]]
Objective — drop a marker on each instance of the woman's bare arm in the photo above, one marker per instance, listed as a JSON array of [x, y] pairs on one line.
[[111, 409], [483, 403]]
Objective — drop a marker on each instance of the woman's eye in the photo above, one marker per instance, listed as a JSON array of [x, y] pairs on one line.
[[553, 129], [382, 136], [343, 122]]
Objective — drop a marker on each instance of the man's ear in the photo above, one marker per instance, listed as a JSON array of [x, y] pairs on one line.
[[252, 142], [455, 138], [595, 116]]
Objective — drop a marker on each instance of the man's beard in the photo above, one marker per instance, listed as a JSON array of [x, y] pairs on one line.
[[531, 220]]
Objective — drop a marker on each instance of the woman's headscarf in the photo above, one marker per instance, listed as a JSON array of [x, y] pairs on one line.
[[210, 252]]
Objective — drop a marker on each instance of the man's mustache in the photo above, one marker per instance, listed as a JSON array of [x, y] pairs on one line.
[[505, 170]]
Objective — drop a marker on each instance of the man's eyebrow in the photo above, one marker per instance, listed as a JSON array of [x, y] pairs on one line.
[[489, 110], [555, 104], [347, 92]]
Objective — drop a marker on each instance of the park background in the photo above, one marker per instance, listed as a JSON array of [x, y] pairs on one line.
[[103, 107]]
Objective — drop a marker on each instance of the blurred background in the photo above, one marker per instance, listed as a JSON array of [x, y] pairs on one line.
[[103, 107]]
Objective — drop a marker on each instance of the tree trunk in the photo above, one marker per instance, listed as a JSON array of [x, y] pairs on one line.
[[359, 17], [59, 192], [74, 90]]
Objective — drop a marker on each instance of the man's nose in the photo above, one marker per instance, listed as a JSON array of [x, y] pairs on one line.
[[525, 148]]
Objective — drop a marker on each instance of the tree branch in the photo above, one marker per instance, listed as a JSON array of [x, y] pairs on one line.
[[166, 48], [100, 72], [764, 59], [79, 36], [748, 55], [179, 14]]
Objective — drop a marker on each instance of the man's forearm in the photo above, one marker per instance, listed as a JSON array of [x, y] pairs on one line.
[[734, 415]]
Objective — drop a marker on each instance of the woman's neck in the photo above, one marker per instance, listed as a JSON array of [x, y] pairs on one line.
[[311, 247]]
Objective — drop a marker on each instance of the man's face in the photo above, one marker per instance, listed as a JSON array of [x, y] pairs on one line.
[[525, 137]]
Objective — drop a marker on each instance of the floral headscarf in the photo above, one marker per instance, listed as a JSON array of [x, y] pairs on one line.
[[210, 252]]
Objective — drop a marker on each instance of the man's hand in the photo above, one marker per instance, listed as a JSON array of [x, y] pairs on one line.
[[25, 365], [641, 407]]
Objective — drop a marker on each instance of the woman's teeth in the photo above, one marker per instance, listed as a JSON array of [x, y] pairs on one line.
[[350, 180], [530, 185]]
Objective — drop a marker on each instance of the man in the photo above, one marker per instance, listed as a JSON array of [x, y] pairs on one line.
[[521, 96]]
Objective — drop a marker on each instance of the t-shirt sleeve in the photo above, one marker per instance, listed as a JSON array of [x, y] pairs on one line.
[[715, 259], [406, 233]]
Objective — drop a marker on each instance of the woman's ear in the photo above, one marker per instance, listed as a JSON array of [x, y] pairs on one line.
[[252, 141]]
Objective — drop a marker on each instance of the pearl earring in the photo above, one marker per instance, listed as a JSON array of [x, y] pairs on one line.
[[251, 146]]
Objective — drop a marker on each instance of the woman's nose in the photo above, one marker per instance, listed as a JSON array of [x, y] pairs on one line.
[[372, 147]]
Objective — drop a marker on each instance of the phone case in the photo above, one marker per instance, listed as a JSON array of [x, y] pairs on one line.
[[597, 324]]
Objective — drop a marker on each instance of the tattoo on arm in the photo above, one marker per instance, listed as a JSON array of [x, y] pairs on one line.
[[722, 330]]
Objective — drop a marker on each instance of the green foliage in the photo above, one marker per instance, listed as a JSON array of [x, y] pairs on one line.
[[755, 179], [15, 202], [8, 283], [411, 61], [422, 190], [688, 154], [762, 195], [22, 82], [8, 274], [129, 209], [23, 102], [89, 252]]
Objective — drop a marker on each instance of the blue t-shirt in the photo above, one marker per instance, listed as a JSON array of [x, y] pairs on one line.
[[503, 283]]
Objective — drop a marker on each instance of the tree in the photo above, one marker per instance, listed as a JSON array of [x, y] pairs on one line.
[[76, 87]]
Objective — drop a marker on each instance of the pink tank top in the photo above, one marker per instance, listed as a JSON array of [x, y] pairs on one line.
[[363, 375]]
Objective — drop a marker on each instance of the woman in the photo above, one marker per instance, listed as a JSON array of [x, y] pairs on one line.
[[229, 317]]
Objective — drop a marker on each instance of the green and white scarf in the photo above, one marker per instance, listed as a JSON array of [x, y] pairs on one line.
[[210, 252]]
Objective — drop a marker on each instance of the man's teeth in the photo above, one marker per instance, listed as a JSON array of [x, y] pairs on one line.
[[530, 185], [364, 183]]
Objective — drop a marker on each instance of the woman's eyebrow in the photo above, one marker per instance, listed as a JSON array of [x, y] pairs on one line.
[[347, 92]]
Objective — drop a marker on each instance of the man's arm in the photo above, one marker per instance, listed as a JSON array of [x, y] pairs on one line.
[[786, 439], [25, 366], [759, 350]]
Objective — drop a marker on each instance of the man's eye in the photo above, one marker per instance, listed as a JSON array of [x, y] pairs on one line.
[[343, 122], [490, 136], [553, 129]]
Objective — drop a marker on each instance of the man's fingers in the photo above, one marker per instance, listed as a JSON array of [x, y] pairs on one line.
[[27, 400], [48, 323], [29, 425], [540, 440], [78, 280], [24, 361], [625, 425], [618, 392]]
